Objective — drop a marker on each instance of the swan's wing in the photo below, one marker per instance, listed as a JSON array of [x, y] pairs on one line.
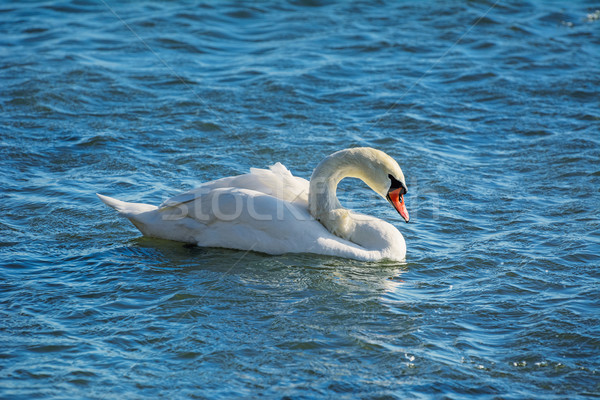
[[277, 181], [249, 220], [236, 206], [246, 219]]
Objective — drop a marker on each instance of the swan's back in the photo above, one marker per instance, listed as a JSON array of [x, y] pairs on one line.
[[277, 181]]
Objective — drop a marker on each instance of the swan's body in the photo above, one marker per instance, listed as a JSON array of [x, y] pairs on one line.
[[273, 212]]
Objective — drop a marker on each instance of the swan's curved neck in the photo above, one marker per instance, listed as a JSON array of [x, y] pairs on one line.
[[322, 198]]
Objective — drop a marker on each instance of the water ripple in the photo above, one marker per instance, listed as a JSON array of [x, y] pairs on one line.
[[490, 108]]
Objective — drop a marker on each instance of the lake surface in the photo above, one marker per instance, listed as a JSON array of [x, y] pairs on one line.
[[491, 109]]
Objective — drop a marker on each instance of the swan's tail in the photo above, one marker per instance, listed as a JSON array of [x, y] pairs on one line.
[[129, 210], [139, 214]]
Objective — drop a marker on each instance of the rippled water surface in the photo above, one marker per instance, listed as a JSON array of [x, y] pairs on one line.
[[491, 109]]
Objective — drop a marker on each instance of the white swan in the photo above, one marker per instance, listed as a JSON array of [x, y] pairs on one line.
[[273, 212]]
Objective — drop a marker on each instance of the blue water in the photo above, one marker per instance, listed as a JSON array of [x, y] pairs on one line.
[[491, 109]]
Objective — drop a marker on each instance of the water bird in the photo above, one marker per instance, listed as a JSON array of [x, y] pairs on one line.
[[271, 211]]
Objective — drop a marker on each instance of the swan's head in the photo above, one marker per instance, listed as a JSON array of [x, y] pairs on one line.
[[384, 176], [378, 170]]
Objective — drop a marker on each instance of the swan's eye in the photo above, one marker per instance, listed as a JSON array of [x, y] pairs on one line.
[[396, 184]]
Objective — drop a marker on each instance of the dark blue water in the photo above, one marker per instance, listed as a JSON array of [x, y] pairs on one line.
[[491, 109]]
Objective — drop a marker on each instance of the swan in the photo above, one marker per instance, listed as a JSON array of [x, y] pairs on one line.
[[274, 212]]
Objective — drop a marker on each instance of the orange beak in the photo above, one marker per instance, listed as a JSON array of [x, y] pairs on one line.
[[396, 197]]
